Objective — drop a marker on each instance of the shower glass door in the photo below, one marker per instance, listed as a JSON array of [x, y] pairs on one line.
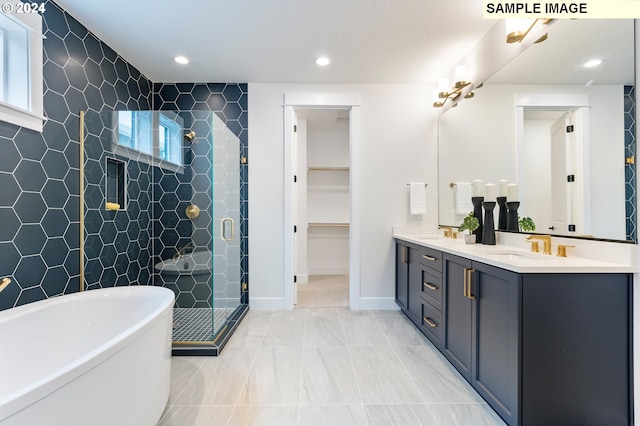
[[162, 206]]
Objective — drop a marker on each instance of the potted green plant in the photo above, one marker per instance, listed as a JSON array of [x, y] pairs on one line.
[[526, 224], [469, 223]]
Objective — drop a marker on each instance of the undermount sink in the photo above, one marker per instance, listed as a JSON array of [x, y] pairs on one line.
[[508, 255]]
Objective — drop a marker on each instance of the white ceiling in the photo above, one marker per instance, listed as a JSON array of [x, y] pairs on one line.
[[560, 59], [277, 41]]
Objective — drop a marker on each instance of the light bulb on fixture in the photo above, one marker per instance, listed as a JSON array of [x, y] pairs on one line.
[[443, 88], [181, 60], [460, 74]]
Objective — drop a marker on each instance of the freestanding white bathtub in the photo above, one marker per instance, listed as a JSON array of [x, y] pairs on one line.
[[101, 357]]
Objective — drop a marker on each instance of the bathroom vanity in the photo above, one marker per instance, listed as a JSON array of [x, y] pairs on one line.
[[544, 340]]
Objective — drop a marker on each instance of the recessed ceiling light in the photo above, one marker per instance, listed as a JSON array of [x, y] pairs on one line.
[[181, 60], [592, 63], [323, 61]]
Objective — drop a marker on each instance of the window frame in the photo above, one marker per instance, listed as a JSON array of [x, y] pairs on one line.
[[32, 118], [152, 155]]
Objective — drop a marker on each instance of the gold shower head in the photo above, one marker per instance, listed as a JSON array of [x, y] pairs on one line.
[[189, 136]]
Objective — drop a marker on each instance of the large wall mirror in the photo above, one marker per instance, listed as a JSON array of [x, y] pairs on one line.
[[563, 132]]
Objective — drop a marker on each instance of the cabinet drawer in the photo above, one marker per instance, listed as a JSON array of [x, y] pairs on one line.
[[431, 258], [431, 288], [431, 323]]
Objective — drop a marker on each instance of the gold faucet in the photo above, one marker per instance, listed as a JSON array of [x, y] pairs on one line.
[[449, 232], [182, 250], [4, 283], [546, 241]]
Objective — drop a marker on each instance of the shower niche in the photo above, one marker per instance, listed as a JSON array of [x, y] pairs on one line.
[[155, 168]]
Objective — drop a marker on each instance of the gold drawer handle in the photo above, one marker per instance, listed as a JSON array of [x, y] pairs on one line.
[[429, 257], [430, 322], [430, 286]]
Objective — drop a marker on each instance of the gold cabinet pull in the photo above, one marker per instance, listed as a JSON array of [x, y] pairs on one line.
[[469, 272], [464, 284], [404, 250], [429, 286], [430, 322], [428, 257]]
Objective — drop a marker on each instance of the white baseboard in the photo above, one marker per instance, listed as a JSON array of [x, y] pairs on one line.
[[267, 303], [378, 304], [302, 279]]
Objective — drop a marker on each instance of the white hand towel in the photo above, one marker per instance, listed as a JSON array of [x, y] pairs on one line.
[[462, 198], [417, 198]]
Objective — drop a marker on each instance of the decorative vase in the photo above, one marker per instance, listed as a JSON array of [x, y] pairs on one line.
[[469, 238], [512, 215], [502, 213], [477, 212], [489, 231]]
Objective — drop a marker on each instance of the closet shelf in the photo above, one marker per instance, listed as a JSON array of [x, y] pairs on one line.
[[328, 224], [328, 169]]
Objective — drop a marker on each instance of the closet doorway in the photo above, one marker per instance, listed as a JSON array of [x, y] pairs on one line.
[[322, 207]]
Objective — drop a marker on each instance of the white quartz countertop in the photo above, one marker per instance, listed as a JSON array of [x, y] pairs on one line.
[[517, 259]]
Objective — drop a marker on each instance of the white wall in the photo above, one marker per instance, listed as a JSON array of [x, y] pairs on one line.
[[398, 145]]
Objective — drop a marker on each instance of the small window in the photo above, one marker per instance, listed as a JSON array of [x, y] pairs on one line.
[[152, 137], [21, 96], [169, 140]]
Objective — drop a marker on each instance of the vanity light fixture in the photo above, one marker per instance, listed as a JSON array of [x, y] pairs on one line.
[[518, 29], [443, 94], [181, 60]]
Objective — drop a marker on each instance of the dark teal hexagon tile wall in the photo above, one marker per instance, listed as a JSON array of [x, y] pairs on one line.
[[630, 169], [39, 172]]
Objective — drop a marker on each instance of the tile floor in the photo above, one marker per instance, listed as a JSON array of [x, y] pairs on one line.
[[323, 366]]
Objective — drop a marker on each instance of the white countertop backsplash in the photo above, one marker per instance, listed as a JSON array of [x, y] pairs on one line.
[[512, 252]]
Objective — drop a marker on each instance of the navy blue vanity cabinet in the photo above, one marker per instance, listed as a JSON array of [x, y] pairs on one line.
[[577, 349], [481, 311], [541, 349], [419, 288]]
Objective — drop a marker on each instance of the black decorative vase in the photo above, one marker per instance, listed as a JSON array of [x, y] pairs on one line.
[[489, 231], [477, 212], [502, 213], [512, 215]]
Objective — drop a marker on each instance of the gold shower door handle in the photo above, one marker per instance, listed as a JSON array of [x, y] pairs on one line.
[[224, 228]]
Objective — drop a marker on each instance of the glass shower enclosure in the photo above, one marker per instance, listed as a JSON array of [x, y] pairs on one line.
[[162, 205]]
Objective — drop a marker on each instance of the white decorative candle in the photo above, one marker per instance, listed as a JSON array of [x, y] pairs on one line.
[[477, 189], [489, 192], [512, 192], [502, 187]]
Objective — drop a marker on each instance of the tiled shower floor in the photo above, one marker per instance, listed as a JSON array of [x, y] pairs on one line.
[[194, 324]]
